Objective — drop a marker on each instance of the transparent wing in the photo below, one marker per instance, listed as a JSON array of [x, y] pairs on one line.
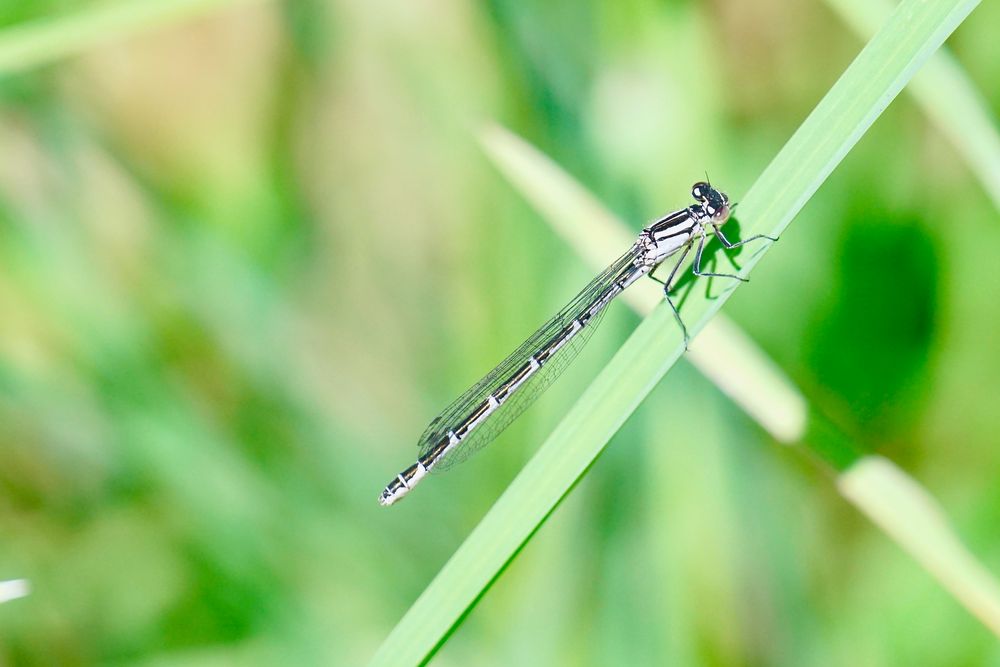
[[526, 393]]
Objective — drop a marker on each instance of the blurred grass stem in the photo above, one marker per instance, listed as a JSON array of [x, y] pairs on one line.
[[44, 41]]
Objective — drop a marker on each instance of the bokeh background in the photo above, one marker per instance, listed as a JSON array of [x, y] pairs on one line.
[[247, 255]]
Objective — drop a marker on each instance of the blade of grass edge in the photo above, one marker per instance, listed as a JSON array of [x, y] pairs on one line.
[[895, 502], [913, 32]]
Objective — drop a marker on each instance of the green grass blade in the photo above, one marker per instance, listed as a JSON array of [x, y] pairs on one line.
[[914, 31], [40, 42]]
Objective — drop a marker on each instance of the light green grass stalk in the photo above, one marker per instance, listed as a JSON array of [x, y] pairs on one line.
[[46, 40], [909, 514], [944, 92], [913, 32], [894, 501]]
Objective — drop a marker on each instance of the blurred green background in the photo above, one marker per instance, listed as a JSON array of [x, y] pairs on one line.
[[245, 257]]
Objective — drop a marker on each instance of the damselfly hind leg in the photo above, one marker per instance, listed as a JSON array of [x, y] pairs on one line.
[[677, 316], [667, 284]]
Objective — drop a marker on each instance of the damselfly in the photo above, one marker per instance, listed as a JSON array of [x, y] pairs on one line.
[[476, 417]]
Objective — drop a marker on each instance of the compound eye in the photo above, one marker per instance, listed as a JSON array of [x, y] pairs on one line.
[[700, 190]]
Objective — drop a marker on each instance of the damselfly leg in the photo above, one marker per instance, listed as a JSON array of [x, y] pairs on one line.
[[696, 269], [668, 283], [729, 246]]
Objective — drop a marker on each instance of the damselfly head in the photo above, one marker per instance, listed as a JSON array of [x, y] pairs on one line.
[[714, 202], [700, 190]]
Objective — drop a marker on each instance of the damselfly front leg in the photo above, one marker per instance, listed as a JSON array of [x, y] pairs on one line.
[[729, 246], [697, 261]]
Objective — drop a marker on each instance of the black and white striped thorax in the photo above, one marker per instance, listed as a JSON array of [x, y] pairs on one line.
[[486, 408], [663, 237]]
